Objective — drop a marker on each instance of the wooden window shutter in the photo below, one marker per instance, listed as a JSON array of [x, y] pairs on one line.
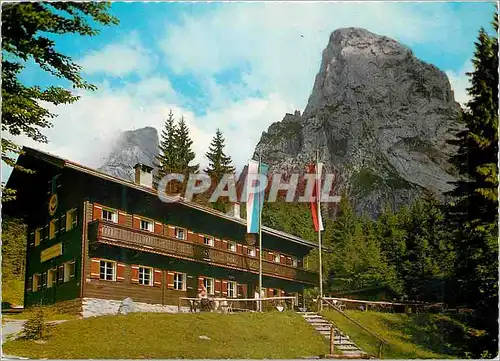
[[224, 245], [289, 261], [218, 243], [171, 231], [30, 284], [134, 277], [244, 290], [270, 256], [44, 279], [170, 280], [136, 222], [257, 252], [239, 248], [240, 290], [191, 236], [270, 292], [158, 228], [282, 259], [157, 278], [217, 287], [60, 274], [95, 268], [200, 238], [62, 224], [122, 218], [96, 213], [120, 272], [200, 283], [224, 288]]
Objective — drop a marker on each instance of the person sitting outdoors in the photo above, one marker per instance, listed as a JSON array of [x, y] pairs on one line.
[[205, 302]]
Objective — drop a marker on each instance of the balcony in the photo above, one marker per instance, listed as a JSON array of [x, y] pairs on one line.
[[121, 236]]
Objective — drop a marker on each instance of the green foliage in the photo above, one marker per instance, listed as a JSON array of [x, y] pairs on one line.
[[219, 165], [176, 152], [14, 240], [25, 30], [35, 328]]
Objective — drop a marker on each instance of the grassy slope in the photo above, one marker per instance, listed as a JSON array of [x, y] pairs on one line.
[[13, 291], [249, 335], [409, 336]]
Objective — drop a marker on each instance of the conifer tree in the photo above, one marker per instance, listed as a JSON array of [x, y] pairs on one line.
[[167, 159], [474, 210], [219, 165], [183, 146]]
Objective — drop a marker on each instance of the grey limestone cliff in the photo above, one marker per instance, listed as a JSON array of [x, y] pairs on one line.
[[132, 147], [380, 118]]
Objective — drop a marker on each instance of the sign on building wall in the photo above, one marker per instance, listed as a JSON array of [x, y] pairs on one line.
[[51, 252]]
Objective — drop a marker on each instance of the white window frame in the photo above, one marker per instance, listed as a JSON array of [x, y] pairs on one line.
[[176, 234], [142, 280], [251, 252], [67, 274], [149, 224], [71, 215], [51, 277], [182, 282], [231, 246], [210, 243], [112, 212], [113, 269], [209, 284], [276, 258], [234, 291]]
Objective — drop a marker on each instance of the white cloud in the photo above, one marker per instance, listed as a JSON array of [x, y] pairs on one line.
[[460, 82], [281, 43], [119, 59], [85, 131]]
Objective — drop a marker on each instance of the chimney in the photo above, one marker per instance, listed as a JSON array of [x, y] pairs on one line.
[[234, 211], [143, 175]]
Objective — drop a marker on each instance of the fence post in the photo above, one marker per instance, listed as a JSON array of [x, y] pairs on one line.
[[179, 306], [332, 340]]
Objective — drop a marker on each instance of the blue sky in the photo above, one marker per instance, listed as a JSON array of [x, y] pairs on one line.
[[234, 66]]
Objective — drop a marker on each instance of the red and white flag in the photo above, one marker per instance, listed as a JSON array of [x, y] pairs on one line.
[[316, 216]]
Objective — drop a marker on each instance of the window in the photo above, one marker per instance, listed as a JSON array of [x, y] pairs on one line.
[[208, 241], [232, 290], [38, 236], [276, 292], [276, 257], [52, 228], [69, 271], [44, 279], [109, 215], [251, 251], [146, 225], [60, 274], [209, 285], [51, 277], [294, 261], [145, 276], [45, 233], [107, 270], [71, 219], [179, 281], [36, 282], [180, 233], [231, 246]]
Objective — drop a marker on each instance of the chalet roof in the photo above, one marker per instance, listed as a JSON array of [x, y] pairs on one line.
[[61, 162]]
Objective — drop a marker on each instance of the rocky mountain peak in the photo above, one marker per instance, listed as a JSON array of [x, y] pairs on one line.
[[380, 117], [132, 147]]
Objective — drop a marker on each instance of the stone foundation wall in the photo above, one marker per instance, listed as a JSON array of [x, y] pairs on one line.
[[92, 307]]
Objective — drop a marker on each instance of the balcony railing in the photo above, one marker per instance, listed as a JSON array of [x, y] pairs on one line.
[[114, 234]]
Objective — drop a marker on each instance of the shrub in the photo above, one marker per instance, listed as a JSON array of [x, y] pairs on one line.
[[35, 327]]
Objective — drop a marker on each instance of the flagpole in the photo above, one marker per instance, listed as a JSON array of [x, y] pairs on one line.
[[260, 239], [318, 200]]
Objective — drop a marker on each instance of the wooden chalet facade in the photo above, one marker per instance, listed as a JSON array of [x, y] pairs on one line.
[[94, 236]]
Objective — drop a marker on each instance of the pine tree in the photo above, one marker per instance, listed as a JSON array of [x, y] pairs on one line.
[[167, 159], [219, 165], [184, 154]]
